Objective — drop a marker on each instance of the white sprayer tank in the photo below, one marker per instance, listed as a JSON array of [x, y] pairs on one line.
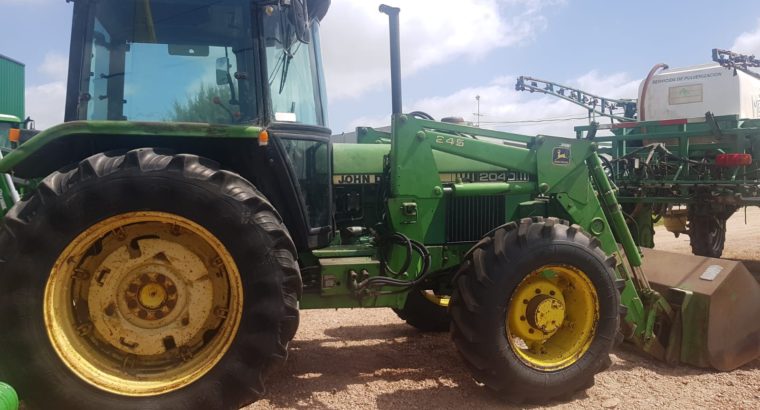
[[693, 91]]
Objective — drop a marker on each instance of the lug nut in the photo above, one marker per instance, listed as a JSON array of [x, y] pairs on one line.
[[131, 303], [110, 310]]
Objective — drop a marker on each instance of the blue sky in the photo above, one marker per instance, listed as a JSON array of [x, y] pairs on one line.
[[453, 50]]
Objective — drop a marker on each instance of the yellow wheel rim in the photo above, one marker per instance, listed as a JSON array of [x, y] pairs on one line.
[[143, 303], [440, 300], [552, 316]]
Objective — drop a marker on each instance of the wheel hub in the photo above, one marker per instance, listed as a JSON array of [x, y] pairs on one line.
[[541, 311], [151, 296], [551, 317], [545, 313]]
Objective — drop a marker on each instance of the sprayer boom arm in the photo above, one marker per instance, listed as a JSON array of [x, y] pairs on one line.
[[617, 109]]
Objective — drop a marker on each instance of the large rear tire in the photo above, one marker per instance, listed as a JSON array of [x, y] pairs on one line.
[[145, 280], [535, 310]]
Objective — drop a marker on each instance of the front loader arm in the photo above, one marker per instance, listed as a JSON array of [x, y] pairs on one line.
[[567, 173]]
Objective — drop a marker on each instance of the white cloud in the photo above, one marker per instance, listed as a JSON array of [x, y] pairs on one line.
[[55, 66], [45, 103], [504, 108], [355, 37], [355, 46], [45, 100], [748, 42]]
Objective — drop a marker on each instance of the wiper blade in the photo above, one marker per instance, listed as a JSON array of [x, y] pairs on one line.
[[287, 52], [233, 92], [287, 58]]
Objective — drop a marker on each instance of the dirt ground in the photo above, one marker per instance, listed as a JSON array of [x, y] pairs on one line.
[[369, 359]]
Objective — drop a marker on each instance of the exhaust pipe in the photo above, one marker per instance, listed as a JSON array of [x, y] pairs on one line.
[[392, 13]]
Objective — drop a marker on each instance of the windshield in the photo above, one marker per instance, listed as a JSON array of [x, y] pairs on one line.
[[160, 60], [294, 70]]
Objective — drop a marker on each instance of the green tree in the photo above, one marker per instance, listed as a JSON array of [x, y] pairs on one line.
[[201, 107]]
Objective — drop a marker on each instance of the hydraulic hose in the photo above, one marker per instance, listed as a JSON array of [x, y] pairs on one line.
[[422, 114], [420, 249], [645, 88], [402, 240]]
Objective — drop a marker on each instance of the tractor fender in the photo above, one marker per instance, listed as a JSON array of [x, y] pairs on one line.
[[235, 147], [73, 141]]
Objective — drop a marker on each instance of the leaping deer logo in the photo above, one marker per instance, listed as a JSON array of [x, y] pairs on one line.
[[561, 156]]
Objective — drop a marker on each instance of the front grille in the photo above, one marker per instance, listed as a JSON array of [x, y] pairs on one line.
[[469, 218]]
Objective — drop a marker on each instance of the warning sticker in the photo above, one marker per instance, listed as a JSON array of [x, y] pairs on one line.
[[711, 272], [685, 94]]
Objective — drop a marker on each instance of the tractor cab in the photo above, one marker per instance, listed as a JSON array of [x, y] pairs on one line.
[[219, 62], [222, 65]]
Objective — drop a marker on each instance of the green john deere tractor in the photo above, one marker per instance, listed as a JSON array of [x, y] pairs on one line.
[[192, 203]]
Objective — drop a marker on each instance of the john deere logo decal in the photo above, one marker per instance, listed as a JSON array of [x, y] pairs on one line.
[[561, 156]]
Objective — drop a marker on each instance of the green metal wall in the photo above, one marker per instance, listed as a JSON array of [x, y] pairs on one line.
[[11, 87]]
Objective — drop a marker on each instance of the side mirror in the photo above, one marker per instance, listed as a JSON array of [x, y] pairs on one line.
[[222, 71], [299, 17]]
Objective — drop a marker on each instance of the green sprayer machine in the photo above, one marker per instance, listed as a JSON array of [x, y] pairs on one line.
[[192, 203], [683, 151]]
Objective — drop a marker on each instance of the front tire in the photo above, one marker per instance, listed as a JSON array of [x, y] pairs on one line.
[[535, 311], [145, 280], [707, 234], [422, 313]]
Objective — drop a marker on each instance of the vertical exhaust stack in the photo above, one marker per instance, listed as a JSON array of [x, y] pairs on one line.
[[395, 35]]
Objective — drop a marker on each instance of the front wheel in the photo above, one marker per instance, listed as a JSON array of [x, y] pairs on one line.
[[426, 311], [707, 234], [535, 310], [144, 280]]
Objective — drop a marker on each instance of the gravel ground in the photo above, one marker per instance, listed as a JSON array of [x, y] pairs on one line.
[[369, 359]]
